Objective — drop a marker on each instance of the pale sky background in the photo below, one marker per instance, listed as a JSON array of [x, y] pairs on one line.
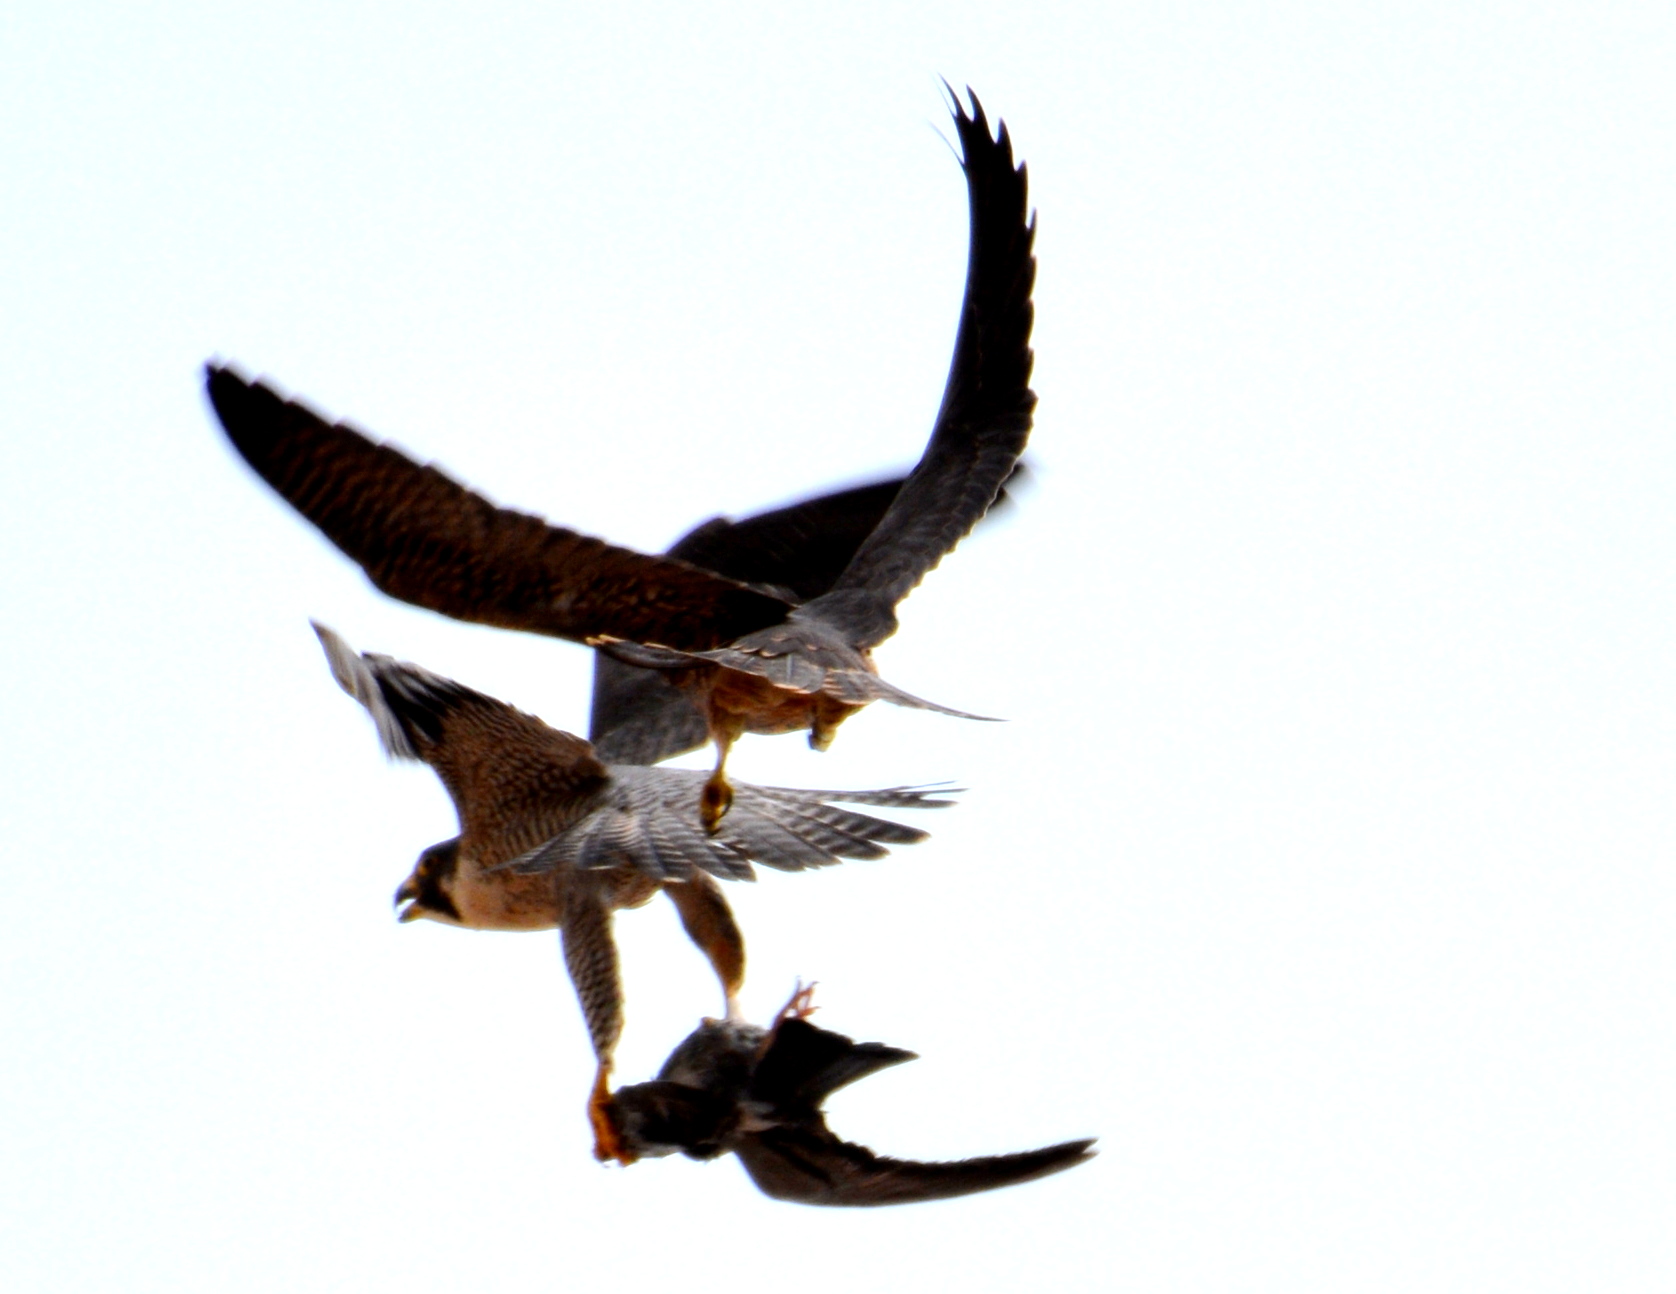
[[1324, 869]]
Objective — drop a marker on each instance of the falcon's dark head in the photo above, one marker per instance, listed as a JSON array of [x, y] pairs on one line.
[[428, 890]]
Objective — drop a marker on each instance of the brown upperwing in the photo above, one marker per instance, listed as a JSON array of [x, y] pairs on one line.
[[424, 538], [515, 781]]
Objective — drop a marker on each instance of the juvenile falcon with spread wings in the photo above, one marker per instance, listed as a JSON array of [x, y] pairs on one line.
[[552, 836], [756, 658]]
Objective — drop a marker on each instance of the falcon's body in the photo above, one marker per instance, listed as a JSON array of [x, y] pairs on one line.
[[551, 836], [642, 716], [755, 658], [733, 1087]]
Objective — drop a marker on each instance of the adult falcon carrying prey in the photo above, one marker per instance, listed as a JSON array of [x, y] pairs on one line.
[[755, 658], [552, 836]]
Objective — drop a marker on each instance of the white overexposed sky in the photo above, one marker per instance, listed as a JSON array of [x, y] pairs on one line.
[[1324, 869]]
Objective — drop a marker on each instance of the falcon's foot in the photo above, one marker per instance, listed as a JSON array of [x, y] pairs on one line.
[[714, 801], [828, 713], [608, 1139], [821, 733]]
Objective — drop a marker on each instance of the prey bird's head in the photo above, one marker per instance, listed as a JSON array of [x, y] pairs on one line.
[[428, 890]]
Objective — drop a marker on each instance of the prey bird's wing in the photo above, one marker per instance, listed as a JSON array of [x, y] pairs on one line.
[[809, 1165], [985, 417], [426, 539], [804, 1064], [514, 780]]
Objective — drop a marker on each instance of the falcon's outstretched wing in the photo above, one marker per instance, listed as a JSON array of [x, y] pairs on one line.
[[514, 780], [648, 818], [532, 798], [426, 539], [984, 422]]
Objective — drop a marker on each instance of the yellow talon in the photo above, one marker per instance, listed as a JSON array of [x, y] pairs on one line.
[[714, 801], [608, 1142]]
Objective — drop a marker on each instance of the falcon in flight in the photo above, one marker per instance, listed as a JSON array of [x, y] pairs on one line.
[[733, 1087], [755, 657], [639, 716], [550, 835]]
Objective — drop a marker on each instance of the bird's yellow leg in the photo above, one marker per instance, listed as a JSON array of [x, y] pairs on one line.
[[590, 955], [608, 1142], [828, 715], [709, 924], [717, 796], [821, 733]]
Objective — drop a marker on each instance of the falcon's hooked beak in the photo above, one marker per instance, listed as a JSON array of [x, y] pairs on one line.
[[408, 893]]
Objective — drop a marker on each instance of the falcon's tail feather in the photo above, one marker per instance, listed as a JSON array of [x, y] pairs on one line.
[[789, 670], [870, 687]]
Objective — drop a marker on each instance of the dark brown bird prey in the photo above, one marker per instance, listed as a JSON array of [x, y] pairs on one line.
[[736, 1087], [756, 658], [552, 836]]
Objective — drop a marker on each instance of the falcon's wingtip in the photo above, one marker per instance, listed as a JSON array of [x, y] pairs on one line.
[[975, 113], [223, 379], [356, 677], [346, 663]]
